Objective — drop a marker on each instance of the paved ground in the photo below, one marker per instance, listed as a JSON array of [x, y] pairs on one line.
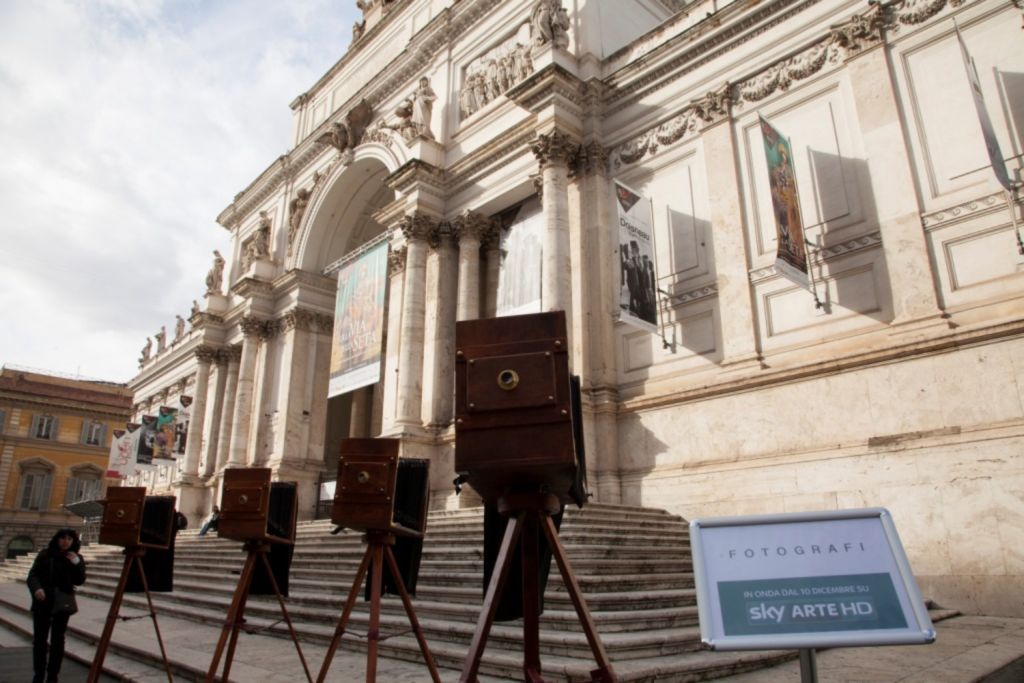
[[968, 649]]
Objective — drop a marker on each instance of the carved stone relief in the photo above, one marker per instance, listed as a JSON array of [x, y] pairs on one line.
[[490, 75]]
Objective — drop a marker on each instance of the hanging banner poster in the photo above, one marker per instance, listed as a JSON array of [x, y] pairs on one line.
[[522, 256], [805, 580], [791, 254], [359, 321], [995, 154], [147, 440], [163, 440], [181, 422], [638, 279], [123, 447]]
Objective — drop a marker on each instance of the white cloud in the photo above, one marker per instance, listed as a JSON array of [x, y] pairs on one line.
[[127, 126]]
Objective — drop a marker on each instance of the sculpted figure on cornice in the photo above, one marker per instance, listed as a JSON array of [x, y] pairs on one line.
[[146, 350], [179, 328], [259, 245], [423, 108], [489, 76], [296, 208], [161, 339], [337, 137], [549, 23], [215, 276], [195, 309]]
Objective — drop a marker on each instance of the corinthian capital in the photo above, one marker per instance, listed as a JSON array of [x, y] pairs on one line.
[[471, 225], [553, 148], [417, 226], [205, 354], [396, 261]]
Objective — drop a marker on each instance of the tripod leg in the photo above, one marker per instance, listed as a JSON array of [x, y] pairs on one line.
[[604, 671], [156, 626], [530, 543], [108, 627], [373, 635], [232, 620], [350, 604], [284, 612], [490, 606], [407, 602]]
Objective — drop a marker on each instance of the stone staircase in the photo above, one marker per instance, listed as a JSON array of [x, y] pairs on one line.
[[633, 565]]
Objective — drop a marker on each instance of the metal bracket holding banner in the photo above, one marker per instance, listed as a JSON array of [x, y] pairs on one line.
[[805, 581]]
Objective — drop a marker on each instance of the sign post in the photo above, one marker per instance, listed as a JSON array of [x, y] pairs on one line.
[[805, 581]]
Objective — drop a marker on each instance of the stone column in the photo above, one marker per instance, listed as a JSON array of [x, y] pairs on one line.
[[469, 229], [911, 280], [410, 354], [738, 341], [233, 357], [359, 413], [214, 410], [389, 371], [293, 404], [492, 253], [204, 356], [554, 151], [252, 328], [439, 328]]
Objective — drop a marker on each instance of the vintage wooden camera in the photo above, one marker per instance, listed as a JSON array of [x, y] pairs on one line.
[[378, 491], [517, 426], [253, 508], [132, 519]]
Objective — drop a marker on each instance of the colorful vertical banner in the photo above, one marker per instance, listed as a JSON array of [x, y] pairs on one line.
[[163, 442], [995, 154], [147, 440], [791, 254], [181, 423], [638, 278], [359, 321], [124, 448]]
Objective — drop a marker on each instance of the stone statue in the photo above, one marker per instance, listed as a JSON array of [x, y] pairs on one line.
[[295, 210], [337, 137], [259, 246], [215, 276], [423, 107], [146, 350], [195, 309], [179, 328], [358, 28], [161, 338], [549, 23]]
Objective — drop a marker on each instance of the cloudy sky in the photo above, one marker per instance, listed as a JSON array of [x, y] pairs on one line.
[[126, 126]]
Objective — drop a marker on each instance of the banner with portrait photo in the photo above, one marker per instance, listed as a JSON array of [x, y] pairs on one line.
[[147, 440], [183, 416], [638, 277], [163, 441], [359, 321], [791, 251]]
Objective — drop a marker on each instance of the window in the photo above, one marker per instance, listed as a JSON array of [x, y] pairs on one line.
[[44, 427], [93, 432], [85, 483], [35, 489]]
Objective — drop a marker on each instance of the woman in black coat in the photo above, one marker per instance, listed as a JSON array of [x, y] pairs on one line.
[[57, 566]]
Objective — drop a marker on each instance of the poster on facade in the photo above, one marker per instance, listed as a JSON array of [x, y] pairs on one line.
[[836, 578], [995, 154], [124, 451], [183, 416], [791, 249], [359, 321], [521, 249], [147, 440], [638, 278]]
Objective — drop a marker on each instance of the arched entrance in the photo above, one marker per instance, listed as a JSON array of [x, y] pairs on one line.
[[340, 223]]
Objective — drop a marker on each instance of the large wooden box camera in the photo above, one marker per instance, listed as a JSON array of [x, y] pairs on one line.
[[133, 519], [253, 508], [515, 406]]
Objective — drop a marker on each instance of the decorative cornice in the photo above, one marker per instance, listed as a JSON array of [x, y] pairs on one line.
[[648, 142], [826, 253], [974, 207], [413, 173], [695, 294], [555, 148], [862, 31], [203, 319]]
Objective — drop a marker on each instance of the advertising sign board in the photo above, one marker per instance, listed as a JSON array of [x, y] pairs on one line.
[[805, 580]]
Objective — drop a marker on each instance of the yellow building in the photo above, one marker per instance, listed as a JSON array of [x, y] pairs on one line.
[[55, 437]]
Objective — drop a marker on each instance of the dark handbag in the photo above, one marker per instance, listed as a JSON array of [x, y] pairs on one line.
[[63, 603]]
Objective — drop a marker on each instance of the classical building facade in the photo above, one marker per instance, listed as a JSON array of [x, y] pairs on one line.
[[55, 437], [482, 139]]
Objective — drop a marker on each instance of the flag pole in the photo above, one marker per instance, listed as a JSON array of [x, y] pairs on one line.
[[803, 230]]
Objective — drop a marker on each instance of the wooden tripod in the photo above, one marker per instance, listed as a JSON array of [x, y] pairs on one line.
[[528, 515], [378, 546], [132, 557], [235, 618]]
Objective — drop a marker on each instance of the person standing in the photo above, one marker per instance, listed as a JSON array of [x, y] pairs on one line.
[[57, 569]]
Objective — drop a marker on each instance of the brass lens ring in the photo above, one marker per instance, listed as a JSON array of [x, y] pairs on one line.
[[508, 379], [243, 499], [363, 477]]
